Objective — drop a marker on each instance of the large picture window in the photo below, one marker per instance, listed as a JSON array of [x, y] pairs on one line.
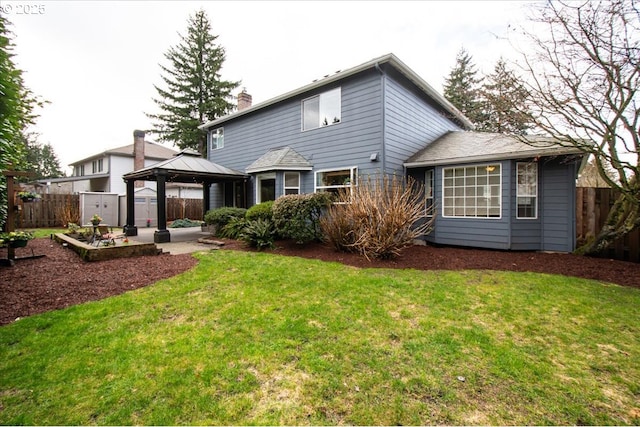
[[527, 190], [472, 191], [217, 139], [321, 110], [333, 180]]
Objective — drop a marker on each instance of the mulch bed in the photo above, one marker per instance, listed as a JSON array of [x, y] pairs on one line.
[[61, 278]]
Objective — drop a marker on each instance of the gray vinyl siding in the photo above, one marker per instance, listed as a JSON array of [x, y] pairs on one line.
[[553, 230], [343, 145], [411, 122], [476, 232], [558, 206], [526, 234]]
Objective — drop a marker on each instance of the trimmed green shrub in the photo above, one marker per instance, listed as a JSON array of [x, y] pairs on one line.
[[185, 223], [222, 216], [262, 210], [297, 216], [234, 229], [259, 234]]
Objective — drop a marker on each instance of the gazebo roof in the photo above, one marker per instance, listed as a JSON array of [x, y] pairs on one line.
[[186, 166]]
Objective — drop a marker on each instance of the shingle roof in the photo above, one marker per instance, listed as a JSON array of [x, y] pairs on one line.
[[464, 147], [151, 151], [283, 158]]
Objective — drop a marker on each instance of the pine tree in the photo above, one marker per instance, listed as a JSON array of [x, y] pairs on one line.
[[194, 91], [461, 88], [42, 159], [503, 98]]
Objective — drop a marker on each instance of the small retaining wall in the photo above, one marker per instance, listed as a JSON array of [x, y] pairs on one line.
[[92, 253]]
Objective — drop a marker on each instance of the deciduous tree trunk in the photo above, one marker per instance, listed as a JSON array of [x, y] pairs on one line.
[[623, 218]]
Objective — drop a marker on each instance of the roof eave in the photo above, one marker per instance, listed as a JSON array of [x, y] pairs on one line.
[[206, 176], [279, 168], [390, 58], [495, 157]]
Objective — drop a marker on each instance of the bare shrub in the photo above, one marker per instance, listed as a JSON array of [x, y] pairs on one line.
[[377, 218], [68, 212]]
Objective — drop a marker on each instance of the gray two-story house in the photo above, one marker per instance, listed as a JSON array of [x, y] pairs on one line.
[[485, 190]]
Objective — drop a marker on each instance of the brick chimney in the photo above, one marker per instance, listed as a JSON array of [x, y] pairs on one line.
[[244, 100], [138, 153]]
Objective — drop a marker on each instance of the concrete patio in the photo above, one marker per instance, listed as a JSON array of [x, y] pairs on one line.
[[183, 240]]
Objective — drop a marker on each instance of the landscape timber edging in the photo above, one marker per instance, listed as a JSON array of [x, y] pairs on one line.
[[101, 253]]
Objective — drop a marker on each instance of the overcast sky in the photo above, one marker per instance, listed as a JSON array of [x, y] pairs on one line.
[[96, 61]]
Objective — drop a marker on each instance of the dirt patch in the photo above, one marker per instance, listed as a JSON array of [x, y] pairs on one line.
[[61, 278]]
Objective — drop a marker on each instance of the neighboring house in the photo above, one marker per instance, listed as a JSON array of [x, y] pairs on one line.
[[381, 117], [102, 172]]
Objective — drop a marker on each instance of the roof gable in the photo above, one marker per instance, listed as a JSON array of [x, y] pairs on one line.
[[375, 63], [151, 151], [466, 147], [284, 158]]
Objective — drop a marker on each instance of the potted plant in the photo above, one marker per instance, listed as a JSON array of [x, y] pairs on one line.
[[16, 239], [28, 196], [96, 219]]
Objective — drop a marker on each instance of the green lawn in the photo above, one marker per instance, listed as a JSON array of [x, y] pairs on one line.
[[254, 338]]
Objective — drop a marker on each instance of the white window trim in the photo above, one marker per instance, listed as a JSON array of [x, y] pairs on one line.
[[259, 178], [478, 166], [353, 177], [527, 195], [318, 96], [211, 138], [284, 182]]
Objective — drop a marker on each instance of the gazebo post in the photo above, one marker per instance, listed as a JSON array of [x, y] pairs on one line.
[[162, 235], [130, 228], [206, 197]]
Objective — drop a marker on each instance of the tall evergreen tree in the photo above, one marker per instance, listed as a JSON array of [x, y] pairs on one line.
[[42, 158], [195, 92], [462, 88], [502, 98], [16, 114]]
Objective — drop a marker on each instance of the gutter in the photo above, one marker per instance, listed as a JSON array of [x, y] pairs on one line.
[[493, 157]]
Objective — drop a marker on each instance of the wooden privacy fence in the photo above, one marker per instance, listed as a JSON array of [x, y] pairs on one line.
[[56, 210], [184, 208], [50, 210], [592, 208]]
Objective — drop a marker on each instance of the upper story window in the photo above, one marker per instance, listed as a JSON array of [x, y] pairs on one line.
[[472, 191], [217, 139], [333, 180], [97, 166], [322, 110], [527, 190], [79, 170]]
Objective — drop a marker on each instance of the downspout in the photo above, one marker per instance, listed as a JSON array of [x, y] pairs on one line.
[[383, 113]]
